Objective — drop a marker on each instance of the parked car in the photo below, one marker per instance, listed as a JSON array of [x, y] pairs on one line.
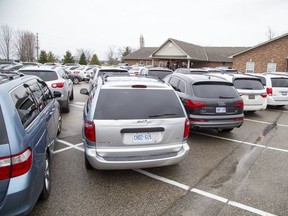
[[156, 71], [57, 80], [276, 86], [250, 88], [107, 71], [11, 68], [84, 72], [210, 102], [191, 70], [133, 122], [136, 70], [30, 120]]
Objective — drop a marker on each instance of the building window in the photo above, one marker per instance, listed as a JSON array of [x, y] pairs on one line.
[[161, 64], [148, 63], [250, 67], [141, 63], [271, 67]]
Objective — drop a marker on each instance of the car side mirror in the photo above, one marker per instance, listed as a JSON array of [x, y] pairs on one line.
[[57, 94], [84, 91]]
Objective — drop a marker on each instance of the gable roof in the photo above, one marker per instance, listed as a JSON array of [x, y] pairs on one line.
[[193, 52], [261, 44]]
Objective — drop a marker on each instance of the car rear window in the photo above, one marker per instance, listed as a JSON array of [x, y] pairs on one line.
[[112, 72], [44, 75], [279, 82], [214, 90], [3, 131], [247, 83], [137, 104]]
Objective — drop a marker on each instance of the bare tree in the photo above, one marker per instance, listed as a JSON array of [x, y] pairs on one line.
[[270, 33], [124, 51], [110, 56], [6, 38], [25, 45]]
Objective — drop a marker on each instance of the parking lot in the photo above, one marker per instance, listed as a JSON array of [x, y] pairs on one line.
[[243, 172]]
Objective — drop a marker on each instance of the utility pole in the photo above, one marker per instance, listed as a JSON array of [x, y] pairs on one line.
[[37, 46]]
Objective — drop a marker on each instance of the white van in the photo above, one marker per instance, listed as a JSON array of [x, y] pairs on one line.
[[276, 86], [250, 88]]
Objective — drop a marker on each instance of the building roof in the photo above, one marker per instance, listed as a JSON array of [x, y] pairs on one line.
[[192, 51], [258, 45]]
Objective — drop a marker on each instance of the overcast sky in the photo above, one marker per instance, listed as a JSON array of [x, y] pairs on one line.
[[99, 24]]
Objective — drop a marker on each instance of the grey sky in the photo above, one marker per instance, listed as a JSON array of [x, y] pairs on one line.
[[99, 24]]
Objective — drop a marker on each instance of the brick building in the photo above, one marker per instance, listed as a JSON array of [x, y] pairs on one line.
[[175, 53], [269, 56]]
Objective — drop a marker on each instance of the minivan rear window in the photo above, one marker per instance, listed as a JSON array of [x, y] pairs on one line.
[[214, 90], [138, 104], [44, 75], [3, 132], [247, 83], [279, 82]]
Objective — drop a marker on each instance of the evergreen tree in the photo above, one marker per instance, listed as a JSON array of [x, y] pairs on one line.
[[68, 58], [95, 60], [51, 57], [82, 60], [43, 57]]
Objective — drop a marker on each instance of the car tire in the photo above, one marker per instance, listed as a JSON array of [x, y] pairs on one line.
[[66, 108], [47, 179], [59, 126], [76, 80], [71, 97], [88, 166]]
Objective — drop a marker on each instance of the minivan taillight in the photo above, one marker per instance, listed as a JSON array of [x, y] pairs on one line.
[[186, 129], [269, 91], [58, 85], [195, 104], [15, 165], [239, 104], [89, 131]]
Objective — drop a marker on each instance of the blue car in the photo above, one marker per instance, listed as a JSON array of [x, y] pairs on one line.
[[30, 120]]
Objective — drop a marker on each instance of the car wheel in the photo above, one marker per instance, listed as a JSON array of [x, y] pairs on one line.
[[59, 127], [47, 179], [88, 166], [76, 80], [66, 108], [71, 95]]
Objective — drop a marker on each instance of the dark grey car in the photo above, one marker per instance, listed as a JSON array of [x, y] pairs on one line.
[[210, 102]]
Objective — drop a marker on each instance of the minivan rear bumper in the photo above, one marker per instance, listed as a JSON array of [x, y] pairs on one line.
[[102, 163]]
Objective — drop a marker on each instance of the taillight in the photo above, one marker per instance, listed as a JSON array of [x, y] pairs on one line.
[[194, 104], [186, 129], [238, 119], [76, 72], [89, 131], [269, 91], [58, 85], [263, 95], [15, 165], [239, 104]]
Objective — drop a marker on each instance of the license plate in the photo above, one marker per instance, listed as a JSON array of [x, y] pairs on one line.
[[220, 109], [142, 137], [251, 96], [284, 93]]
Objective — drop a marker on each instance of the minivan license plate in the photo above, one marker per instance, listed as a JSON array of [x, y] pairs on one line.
[[251, 96], [220, 109], [142, 137]]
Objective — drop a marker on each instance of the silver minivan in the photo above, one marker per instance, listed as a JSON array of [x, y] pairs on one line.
[[133, 122]]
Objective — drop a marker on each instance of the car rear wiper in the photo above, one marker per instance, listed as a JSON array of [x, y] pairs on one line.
[[225, 97], [161, 115]]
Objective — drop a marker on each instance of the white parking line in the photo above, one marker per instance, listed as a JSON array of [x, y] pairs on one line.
[[206, 194], [70, 145], [262, 122], [75, 105]]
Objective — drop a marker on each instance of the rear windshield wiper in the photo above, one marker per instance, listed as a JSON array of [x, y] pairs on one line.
[[225, 97], [161, 115]]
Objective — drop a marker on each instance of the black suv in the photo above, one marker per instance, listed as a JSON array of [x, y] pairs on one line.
[[210, 101]]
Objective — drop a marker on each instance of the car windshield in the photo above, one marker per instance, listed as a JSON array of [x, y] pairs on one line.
[[279, 82], [214, 90], [138, 104], [247, 83], [44, 75]]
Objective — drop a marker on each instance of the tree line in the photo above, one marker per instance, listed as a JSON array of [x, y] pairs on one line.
[[23, 45]]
